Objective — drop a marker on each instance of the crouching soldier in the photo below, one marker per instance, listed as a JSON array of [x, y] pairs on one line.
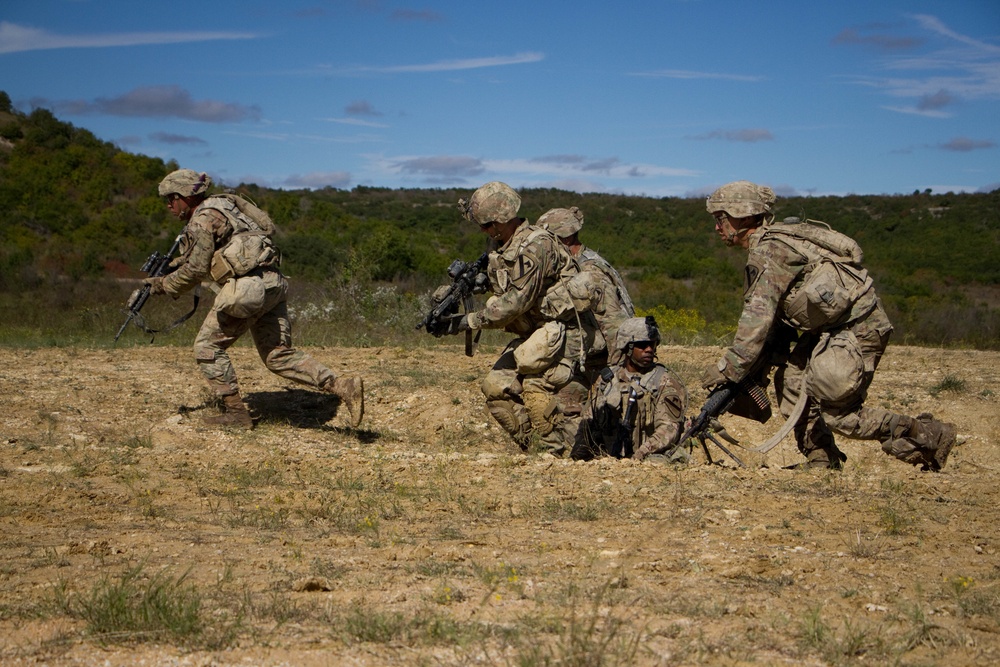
[[539, 384], [636, 407], [806, 283]]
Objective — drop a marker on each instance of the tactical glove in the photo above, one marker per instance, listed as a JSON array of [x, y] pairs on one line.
[[452, 325], [712, 378], [155, 285]]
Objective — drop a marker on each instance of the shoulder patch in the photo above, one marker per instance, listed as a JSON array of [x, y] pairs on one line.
[[524, 267], [751, 276]]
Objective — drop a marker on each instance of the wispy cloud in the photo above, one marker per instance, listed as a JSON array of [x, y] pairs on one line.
[[962, 69], [15, 38], [416, 15], [875, 35], [689, 74], [964, 145], [747, 135], [357, 122], [319, 179], [158, 102], [453, 65], [441, 165], [177, 139], [361, 108]]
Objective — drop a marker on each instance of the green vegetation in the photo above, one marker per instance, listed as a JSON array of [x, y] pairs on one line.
[[78, 214]]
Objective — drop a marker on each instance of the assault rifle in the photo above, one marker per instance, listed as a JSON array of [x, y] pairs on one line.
[[706, 426], [623, 443], [156, 266], [467, 278]]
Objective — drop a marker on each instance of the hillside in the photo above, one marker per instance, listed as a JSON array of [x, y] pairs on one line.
[[76, 210]]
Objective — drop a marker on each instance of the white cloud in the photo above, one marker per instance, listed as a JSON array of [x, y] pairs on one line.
[[469, 63], [689, 74], [15, 38]]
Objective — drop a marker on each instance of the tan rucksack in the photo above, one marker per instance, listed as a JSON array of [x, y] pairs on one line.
[[251, 244], [836, 288]]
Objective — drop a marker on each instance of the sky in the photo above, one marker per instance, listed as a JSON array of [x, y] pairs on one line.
[[657, 98]]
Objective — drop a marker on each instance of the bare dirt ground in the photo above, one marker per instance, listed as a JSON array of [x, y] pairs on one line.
[[427, 538]]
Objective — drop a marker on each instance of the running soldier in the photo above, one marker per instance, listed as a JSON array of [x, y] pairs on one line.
[[636, 407], [539, 384], [805, 288], [227, 240]]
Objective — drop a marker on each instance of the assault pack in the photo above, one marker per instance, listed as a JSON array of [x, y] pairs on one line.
[[836, 288], [251, 244]]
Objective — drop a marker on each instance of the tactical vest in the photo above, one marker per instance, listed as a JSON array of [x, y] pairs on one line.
[[250, 243], [834, 288], [649, 384]]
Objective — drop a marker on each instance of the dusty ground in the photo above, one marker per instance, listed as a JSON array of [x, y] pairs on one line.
[[425, 538]]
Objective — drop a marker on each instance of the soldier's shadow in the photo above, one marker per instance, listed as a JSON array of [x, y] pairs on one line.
[[302, 408]]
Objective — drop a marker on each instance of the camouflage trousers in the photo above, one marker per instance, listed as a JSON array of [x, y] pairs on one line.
[[272, 335], [837, 372], [547, 405]]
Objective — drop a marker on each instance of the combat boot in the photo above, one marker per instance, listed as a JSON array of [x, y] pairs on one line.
[[235, 414], [829, 457], [351, 392], [923, 441]]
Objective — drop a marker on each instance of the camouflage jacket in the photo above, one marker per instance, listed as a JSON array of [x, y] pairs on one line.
[[206, 231], [521, 274], [777, 265], [614, 305], [661, 403]]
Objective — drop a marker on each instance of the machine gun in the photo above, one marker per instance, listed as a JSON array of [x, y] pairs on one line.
[[706, 426], [467, 278], [156, 266]]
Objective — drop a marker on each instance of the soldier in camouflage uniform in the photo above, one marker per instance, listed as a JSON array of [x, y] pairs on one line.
[[539, 384], [657, 397], [805, 286], [613, 305], [251, 299]]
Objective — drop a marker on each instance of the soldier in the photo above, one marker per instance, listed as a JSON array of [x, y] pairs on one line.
[[539, 383], [612, 303], [805, 285], [636, 407], [228, 240]]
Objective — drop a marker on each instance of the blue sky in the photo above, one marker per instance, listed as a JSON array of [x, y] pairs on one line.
[[658, 98]]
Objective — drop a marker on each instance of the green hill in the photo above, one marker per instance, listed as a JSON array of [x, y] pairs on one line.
[[79, 213]]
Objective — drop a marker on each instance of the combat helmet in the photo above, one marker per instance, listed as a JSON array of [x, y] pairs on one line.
[[741, 199], [493, 202], [186, 183], [562, 222], [637, 330]]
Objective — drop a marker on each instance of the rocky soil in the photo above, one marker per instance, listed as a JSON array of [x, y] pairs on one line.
[[134, 535]]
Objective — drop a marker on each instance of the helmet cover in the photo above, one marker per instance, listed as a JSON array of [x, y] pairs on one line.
[[493, 202], [741, 199], [562, 222], [637, 330], [186, 183]]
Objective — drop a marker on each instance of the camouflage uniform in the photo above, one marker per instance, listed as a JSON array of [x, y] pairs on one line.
[[264, 314], [835, 360], [612, 303], [539, 384], [658, 396]]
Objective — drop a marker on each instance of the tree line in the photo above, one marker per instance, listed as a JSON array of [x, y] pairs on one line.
[[78, 209]]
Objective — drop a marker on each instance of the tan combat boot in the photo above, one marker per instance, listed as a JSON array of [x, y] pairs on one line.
[[924, 441], [235, 414], [351, 392]]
